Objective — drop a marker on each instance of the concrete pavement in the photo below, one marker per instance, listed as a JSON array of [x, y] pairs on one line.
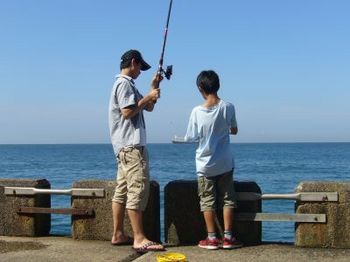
[[57, 248]]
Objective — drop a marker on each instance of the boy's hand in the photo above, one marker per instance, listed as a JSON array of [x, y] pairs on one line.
[[233, 130]]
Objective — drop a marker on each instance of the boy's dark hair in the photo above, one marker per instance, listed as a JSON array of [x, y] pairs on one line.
[[208, 81]]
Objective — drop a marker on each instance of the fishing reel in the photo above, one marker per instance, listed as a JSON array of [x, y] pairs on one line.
[[167, 72]]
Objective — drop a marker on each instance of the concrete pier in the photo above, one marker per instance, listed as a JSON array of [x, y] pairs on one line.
[[184, 226], [336, 232], [100, 226], [12, 224], [184, 222], [57, 249]]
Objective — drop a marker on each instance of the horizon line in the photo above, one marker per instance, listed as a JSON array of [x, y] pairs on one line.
[[166, 143]]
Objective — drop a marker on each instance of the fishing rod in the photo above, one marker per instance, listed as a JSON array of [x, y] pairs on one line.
[[169, 69]]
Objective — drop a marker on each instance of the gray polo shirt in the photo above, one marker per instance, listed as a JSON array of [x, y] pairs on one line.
[[125, 132]]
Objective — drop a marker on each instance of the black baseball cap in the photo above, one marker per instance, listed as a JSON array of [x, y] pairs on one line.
[[134, 54]]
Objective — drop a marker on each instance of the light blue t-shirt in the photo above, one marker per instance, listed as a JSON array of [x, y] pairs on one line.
[[210, 127]]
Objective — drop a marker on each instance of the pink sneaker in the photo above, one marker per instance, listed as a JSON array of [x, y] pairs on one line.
[[231, 243], [209, 244]]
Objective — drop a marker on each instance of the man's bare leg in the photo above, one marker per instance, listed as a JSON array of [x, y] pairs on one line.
[[118, 211], [137, 227]]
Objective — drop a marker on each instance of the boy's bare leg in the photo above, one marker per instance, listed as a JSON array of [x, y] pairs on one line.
[[229, 240], [228, 218], [118, 211], [209, 217], [137, 227]]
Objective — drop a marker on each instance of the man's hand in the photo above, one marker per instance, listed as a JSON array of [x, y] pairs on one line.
[[156, 80], [148, 101], [154, 94], [155, 84]]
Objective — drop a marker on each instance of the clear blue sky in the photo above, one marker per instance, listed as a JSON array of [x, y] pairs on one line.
[[284, 64]]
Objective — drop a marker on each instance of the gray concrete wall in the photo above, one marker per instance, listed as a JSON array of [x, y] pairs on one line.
[[100, 226], [336, 232], [184, 223], [13, 224]]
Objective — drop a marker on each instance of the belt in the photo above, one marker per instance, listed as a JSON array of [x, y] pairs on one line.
[[131, 148]]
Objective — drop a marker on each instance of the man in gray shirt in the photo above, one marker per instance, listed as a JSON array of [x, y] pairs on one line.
[[128, 136]]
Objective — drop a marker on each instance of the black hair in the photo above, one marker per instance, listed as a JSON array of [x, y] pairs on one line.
[[127, 63], [208, 81], [128, 56]]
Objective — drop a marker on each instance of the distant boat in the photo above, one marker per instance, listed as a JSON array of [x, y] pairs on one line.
[[180, 140]]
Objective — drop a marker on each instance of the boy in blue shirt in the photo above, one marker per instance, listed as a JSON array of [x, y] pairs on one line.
[[210, 125]]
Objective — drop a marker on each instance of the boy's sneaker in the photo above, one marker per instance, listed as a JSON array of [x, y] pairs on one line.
[[231, 243], [209, 244]]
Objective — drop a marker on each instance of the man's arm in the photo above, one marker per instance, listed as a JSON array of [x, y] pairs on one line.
[[150, 106], [131, 111], [147, 102], [154, 85]]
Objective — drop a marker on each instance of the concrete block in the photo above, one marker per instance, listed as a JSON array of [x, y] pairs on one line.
[[100, 226], [336, 232], [184, 222], [13, 224]]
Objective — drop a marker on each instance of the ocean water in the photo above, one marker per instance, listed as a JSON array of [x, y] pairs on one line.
[[276, 167]]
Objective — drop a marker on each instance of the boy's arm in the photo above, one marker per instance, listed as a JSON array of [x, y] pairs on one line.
[[192, 130], [234, 127]]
